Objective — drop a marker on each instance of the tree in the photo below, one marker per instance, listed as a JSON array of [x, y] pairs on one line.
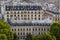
[[3, 37], [28, 37], [36, 37], [46, 36], [55, 30], [5, 29]]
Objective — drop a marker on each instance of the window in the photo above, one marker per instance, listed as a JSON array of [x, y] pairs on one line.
[[18, 33], [21, 29], [12, 29], [35, 15], [14, 12], [31, 12], [29, 29], [28, 12], [21, 12], [25, 15], [7, 12], [7, 15], [31, 15], [25, 18], [21, 15], [15, 29], [35, 12], [23, 33], [39, 12], [18, 29], [39, 29], [11, 15], [39, 15], [18, 15], [36, 29], [28, 15], [38, 18], [33, 29], [18, 11]]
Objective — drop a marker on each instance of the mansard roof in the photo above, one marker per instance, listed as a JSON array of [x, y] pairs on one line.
[[22, 7], [54, 12], [28, 24]]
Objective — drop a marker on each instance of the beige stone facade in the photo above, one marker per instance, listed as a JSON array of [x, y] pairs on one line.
[[27, 16], [22, 31]]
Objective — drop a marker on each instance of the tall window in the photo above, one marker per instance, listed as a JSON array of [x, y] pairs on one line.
[[18, 29], [14, 12], [23, 29], [35, 29], [29, 29], [11, 15], [7, 12], [39, 29], [7, 15], [15, 29], [23, 33], [18, 33]]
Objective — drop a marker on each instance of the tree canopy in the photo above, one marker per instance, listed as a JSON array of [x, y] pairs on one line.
[[55, 30], [46, 36], [5, 29], [3, 37]]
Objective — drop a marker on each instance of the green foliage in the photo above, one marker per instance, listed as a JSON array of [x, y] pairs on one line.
[[5, 29], [3, 37], [28, 37], [55, 30], [36, 37], [46, 36], [4, 25]]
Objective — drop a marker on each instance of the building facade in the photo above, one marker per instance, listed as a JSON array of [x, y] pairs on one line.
[[22, 31], [27, 18]]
